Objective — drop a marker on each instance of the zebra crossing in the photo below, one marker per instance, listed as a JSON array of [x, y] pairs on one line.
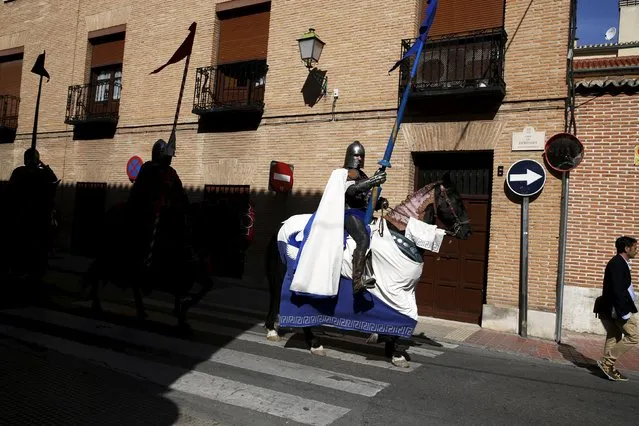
[[226, 374]]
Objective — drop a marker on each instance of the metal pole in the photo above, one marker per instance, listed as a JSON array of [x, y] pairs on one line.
[[563, 236], [35, 120], [523, 271], [179, 103], [565, 182], [385, 162]]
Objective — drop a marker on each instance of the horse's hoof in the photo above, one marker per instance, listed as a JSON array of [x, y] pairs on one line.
[[373, 339], [185, 306], [273, 336], [400, 361], [319, 351], [184, 329]]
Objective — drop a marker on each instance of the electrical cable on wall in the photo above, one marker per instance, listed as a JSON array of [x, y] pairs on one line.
[[570, 125]]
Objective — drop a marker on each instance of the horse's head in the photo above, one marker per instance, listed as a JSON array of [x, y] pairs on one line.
[[437, 200], [449, 208]]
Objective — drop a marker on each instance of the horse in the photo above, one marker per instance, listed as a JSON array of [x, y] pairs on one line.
[[118, 265], [437, 200]]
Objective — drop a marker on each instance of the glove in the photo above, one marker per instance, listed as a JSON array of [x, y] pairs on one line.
[[378, 178]]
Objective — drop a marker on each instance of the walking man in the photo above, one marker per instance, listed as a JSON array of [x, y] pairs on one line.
[[616, 308]]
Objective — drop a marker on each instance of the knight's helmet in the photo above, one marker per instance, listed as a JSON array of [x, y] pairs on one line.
[[31, 157], [350, 162], [159, 153]]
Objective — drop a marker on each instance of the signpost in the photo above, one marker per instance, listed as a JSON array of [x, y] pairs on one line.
[[525, 178], [563, 152]]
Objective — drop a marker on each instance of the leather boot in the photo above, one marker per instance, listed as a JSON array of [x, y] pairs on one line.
[[359, 265]]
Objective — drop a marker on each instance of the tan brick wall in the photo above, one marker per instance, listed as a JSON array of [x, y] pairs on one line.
[[537, 47], [362, 42], [504, 252], [603, 189], [38, 26]]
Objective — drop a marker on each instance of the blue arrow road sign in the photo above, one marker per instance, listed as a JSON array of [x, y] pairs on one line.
[[526, 178]]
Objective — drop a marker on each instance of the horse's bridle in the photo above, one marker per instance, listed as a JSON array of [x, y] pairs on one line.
[[458, 222]]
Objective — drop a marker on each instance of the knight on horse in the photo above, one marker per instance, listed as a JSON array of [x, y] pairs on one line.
[[31, 191], [341, 210], [158, 204], [357, 198]]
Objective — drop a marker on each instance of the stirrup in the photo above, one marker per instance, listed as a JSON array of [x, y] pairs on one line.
[[369, 283]]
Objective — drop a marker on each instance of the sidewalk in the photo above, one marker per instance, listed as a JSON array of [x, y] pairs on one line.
[[582, 350]]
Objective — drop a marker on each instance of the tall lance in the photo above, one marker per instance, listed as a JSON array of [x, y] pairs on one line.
[[38, 68], [184, 51], [416, 49]]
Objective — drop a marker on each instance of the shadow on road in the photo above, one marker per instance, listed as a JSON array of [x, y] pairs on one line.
[[570, 353]]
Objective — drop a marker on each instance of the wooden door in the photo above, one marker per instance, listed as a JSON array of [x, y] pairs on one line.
[[225, 233], [88, 218], [453, 282]]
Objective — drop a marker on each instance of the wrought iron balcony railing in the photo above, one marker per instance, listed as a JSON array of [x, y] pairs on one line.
[[457, 63], [238, 86], [9, 108], [94, 102]]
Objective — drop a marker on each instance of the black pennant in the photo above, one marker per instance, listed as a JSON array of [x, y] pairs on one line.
[[38, 67]]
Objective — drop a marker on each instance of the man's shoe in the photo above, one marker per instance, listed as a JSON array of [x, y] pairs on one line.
[[607, 370], [618, 376]]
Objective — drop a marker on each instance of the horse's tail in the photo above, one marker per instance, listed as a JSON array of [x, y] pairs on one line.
[[274, 267]]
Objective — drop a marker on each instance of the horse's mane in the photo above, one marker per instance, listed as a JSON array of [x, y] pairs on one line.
[[413, 206]]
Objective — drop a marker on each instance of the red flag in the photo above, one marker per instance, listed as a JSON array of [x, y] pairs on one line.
[[183, 51]]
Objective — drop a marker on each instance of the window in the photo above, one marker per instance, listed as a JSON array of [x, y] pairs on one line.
[[107, 53], [10, 74], [108, 84]]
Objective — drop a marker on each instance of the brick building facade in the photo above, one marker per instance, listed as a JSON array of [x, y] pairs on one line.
[[603, 188], [463, 116]]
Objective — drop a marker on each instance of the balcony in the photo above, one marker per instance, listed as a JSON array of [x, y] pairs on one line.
[[461, 66], [9, 107], [95, 103], [237, 87]]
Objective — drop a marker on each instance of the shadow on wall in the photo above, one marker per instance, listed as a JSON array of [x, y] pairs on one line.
[[81, 208], [313, 88]]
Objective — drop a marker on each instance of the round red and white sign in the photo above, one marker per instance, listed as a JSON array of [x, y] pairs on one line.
[[281, 176]]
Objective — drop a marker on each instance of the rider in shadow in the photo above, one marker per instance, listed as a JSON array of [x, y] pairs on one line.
[[30, 194], [357, 197], [158, 205]]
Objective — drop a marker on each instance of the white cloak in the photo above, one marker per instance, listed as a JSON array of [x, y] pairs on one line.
[[320, 262]]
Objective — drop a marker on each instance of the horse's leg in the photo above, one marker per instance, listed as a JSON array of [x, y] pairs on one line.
[[202, 277], [275, 272], [313, 342], [139, 306], [96, 306], [397, 352], [92, 280], [179, 311]]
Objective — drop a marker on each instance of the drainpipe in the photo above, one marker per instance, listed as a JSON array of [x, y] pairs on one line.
[[569, 125]]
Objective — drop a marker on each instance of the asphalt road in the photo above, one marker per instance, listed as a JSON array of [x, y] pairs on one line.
[[61, 365]]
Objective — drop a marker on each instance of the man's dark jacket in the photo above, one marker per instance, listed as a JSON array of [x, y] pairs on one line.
[[615, 294]]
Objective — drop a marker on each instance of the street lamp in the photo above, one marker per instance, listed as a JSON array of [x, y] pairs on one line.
[[310, 48]]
